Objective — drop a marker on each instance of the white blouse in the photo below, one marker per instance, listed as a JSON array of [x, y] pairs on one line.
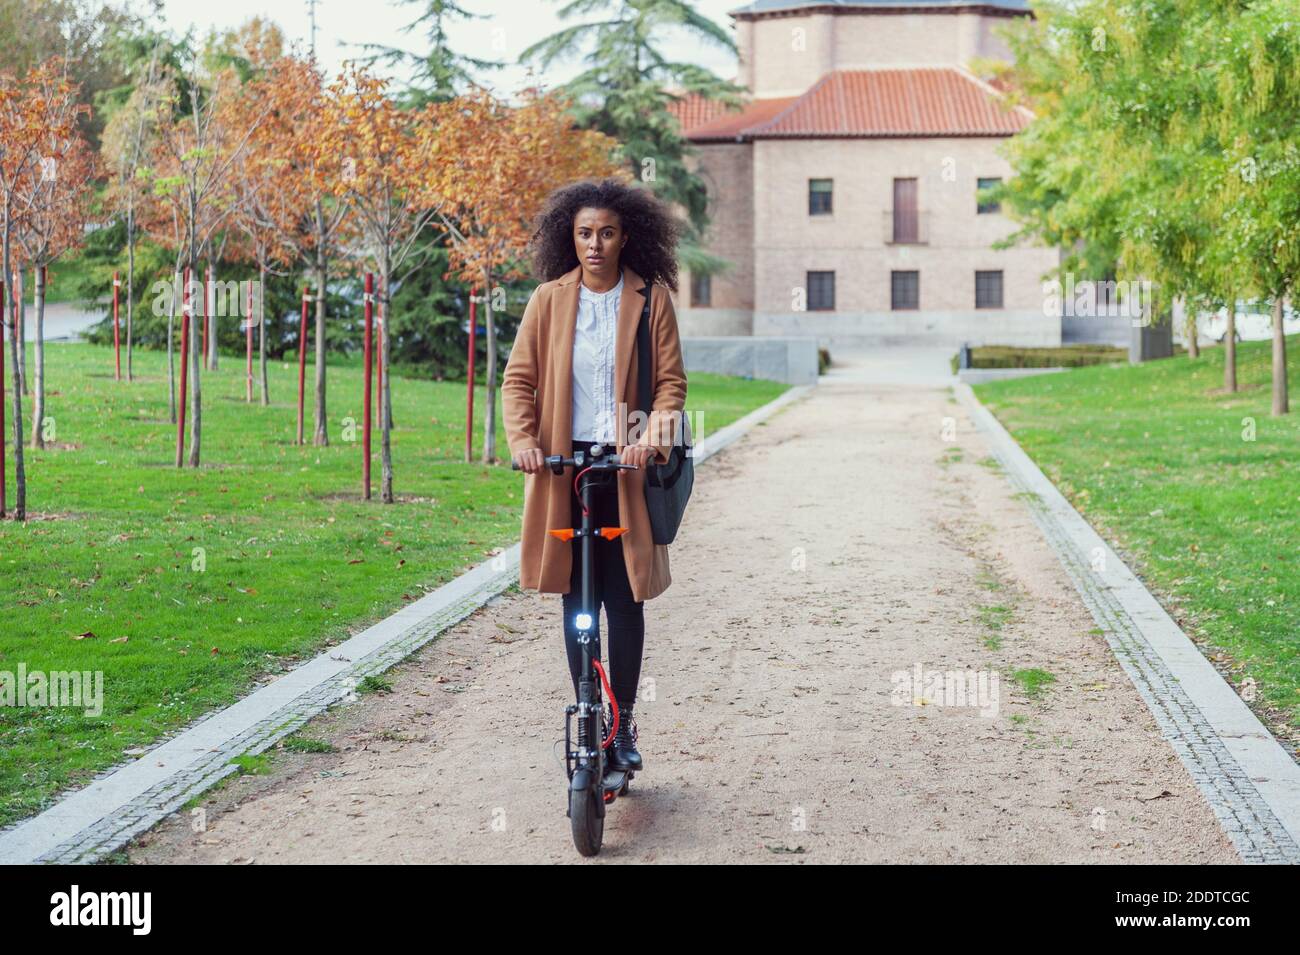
[[593, 364]]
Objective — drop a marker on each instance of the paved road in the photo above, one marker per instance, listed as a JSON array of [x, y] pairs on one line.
[[827, 557]]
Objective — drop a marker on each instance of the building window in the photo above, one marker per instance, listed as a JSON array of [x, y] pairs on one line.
[[701, 290], [906, 219], [982, 207], [821, 291], [988, 289], [904, 290], [819, 197]]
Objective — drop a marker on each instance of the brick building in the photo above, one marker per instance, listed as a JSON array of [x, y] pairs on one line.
[[845, 192]]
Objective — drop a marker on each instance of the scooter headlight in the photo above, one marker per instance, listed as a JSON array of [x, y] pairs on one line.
[[582, 621]]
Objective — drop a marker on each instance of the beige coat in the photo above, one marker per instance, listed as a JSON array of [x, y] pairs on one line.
[[537, 406]]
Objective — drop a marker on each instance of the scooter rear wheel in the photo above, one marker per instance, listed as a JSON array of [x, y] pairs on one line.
[[588, 820]]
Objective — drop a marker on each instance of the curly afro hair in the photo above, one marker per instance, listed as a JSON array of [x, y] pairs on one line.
[[652, 230]]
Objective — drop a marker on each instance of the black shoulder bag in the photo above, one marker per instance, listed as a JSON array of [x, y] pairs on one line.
[[667, 486]]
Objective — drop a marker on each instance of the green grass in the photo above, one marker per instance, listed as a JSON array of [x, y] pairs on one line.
[[375, 683], [222, 577], [305, 744], [1033, 681], [250, 765], [1156, 457], [993, 618]]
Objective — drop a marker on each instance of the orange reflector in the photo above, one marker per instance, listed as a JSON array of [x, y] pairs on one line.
[[563, 533], [609, 533]]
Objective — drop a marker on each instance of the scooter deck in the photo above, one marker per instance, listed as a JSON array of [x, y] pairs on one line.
[[616, 781]]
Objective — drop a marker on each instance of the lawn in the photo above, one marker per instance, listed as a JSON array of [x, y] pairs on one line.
[[188, 587], [1198, 489]]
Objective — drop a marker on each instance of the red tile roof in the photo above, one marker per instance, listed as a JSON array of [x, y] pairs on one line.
[[694, 110], [891, 103], [702, 124]]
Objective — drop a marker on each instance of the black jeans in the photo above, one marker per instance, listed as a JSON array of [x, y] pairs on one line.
[[625, 616]]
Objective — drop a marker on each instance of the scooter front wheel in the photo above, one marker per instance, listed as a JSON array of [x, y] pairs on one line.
[[588, 819]]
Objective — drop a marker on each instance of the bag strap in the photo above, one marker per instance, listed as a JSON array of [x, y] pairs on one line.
[[643, 356]]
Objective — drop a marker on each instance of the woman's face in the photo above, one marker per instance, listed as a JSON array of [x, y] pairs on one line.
[[598, 240]]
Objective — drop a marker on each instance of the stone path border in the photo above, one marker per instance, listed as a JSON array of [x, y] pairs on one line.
[[87, 824], [1249, 780]]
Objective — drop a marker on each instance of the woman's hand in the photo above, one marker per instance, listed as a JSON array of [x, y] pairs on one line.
[[639, 454], [531, 461]]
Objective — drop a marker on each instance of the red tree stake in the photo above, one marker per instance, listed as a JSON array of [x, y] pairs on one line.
[[379, 364], [248, 343], [2, 398], [369, 363]]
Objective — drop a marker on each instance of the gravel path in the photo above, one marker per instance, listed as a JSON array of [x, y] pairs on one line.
[[852, 539]]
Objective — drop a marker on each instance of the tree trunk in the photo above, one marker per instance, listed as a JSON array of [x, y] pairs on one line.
[[177, 292], [490, 376], [130, 282], [322, 438], [1230, 347], [20, 473], [1280, 403], [195, 359], [1190, 331], [38, 401], [195, 356], [383, 334], [385, 398], [261, 335]]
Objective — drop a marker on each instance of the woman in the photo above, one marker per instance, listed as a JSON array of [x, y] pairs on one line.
[[570, 385]]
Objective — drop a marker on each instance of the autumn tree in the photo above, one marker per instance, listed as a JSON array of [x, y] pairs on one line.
[[268, 196], [193, 158], [489, 167], [384, 174], [297, 95], [29, 121], [55, 223], [125, 147]]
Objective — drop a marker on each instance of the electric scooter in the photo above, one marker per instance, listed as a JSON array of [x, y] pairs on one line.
[[593, 783]]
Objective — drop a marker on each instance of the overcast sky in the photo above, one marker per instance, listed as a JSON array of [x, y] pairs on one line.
[[507, 28]]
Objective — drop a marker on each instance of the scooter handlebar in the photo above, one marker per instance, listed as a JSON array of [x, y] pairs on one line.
[[556, 462]]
